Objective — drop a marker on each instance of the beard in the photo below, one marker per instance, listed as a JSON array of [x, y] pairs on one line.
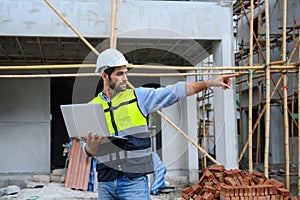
[[115, 87]]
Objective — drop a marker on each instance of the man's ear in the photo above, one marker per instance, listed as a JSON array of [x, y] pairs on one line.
[[104, 76]]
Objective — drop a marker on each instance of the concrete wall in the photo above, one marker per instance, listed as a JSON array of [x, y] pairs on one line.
[[137, 19], [25, 125]]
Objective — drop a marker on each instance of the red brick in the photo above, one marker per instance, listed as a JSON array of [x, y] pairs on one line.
[[219, 185], [241, 191], [187, 190], [209, 189], [225, 190], [241, 179], [266, 188], [273, 197], [198, 197], [259, 174], [253, 191], [236, 180], [283, 192], [217, 168], [272, 189], [278, 184], [208, 183], [217, 194], [184, 196], [229, 181], [246, 181], [247, 191], [228, 173], [260, 190], [255, 179], [208, 196], [268, 182], [191, 193], [232, 192], [236, 191], [224, 198], [215, 181], [293, 198], [196, 188], [268, 197]]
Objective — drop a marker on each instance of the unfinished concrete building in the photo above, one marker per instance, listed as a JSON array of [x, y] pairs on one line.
[[172, 33]]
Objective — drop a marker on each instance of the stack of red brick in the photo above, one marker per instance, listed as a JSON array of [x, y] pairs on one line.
[[219, 183]]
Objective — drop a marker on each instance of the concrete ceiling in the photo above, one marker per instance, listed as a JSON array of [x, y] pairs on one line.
[[19, 50]]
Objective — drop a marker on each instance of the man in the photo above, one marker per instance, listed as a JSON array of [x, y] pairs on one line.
[[122, 165]]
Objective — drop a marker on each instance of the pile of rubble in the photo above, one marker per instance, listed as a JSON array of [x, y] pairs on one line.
[[36, 181], [219, 183]]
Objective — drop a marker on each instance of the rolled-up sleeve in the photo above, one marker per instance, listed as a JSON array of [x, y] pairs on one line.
[[150, 99]]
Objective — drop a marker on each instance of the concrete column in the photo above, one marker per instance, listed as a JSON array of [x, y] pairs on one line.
[[225, 109], [175, 148], [191, 123]]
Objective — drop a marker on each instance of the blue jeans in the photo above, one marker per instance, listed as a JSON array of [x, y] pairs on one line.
[[124, 188]]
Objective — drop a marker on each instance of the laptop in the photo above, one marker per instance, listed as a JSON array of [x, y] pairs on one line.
[[83, 118]]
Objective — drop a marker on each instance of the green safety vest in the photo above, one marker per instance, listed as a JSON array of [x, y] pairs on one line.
[[133, 157]]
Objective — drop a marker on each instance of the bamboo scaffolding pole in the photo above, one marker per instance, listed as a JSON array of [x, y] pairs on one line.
[[112, 26], [292, 124], [282, 99], [147, 67], [250, 88], [116, 24], [254, 35], [71, 27], [285, 100], [204, 129], [259, 117], [259, 30], [294, 50], [258, 137], [135, 75], [258, 150], [45, 67], [161, 114], [132, 75], [267, 127]]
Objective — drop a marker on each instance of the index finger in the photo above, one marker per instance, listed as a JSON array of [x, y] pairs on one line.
[[230, 75]]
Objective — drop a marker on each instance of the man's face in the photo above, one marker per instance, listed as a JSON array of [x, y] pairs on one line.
[[118, 79]]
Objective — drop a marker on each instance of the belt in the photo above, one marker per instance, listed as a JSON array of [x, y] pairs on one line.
[[120, 173]]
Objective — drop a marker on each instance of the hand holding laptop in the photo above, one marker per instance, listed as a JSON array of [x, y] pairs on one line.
[[92, 142]]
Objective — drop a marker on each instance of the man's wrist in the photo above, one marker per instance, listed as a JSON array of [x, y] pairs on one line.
[[208, 83], [88, 151]]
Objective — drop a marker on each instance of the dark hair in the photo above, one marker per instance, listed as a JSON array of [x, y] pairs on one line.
[[109, 71]]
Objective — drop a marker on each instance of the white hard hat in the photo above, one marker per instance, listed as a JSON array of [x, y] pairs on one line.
[[110, 58]]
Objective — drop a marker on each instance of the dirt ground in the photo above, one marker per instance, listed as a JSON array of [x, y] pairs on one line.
[[57, 191]]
